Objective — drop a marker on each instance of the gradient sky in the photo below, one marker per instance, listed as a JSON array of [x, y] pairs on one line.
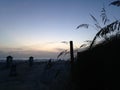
[[37, 27]]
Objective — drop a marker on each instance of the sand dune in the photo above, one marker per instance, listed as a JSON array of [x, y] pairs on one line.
[[38, 77]]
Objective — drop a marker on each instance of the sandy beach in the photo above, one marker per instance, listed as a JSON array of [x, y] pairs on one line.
[[38, 77]]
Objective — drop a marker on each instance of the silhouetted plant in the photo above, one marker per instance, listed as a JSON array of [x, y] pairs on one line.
[[65, 42], [115, 3], [107, 29], [104, 16], [87, 43], [64, 52], [83, 25]]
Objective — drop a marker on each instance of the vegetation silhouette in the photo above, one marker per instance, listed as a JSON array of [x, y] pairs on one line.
[[115, 3], [98, 67], [105, 31]]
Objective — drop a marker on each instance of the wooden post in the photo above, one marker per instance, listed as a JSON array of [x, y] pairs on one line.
[[31, 61], [13, 71], [9, 60], [72, 60], [71, 52]]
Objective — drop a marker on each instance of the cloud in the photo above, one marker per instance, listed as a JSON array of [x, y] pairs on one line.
[[44, 50], [20, 53]]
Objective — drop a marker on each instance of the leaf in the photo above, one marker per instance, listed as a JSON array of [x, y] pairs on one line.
[[104, 16], [67, 52], [83, 25], [89, 41], [115, 3], [61, 53], [96, 22], [94, 18], [119, 26], [99, 27], [83, 45], [106, 30], [65, 42]]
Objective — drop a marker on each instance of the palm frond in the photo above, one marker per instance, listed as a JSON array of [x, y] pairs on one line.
[[83, 45], [104, 16], [65, 42], [67, 52], [94, 39], [98, 26], [96, 22], [88, 41], [106, 30], [83, 25], [118, 26], [60, 54], [94, 18], [115, 3], [109, 28]]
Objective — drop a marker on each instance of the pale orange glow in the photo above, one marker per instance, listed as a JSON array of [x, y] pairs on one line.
[[33, 46], [48, 47]]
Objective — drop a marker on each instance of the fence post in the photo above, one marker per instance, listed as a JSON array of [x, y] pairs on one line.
[[13, 71], [9, 60], [71, 52], [72, 60], [31, 61]]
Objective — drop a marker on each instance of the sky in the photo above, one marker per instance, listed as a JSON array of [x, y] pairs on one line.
[[38, 27]]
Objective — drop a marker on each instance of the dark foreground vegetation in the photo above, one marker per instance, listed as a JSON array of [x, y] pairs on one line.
[[98, 68]]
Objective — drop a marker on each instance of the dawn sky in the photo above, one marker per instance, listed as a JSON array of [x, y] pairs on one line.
[[37, 27]]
